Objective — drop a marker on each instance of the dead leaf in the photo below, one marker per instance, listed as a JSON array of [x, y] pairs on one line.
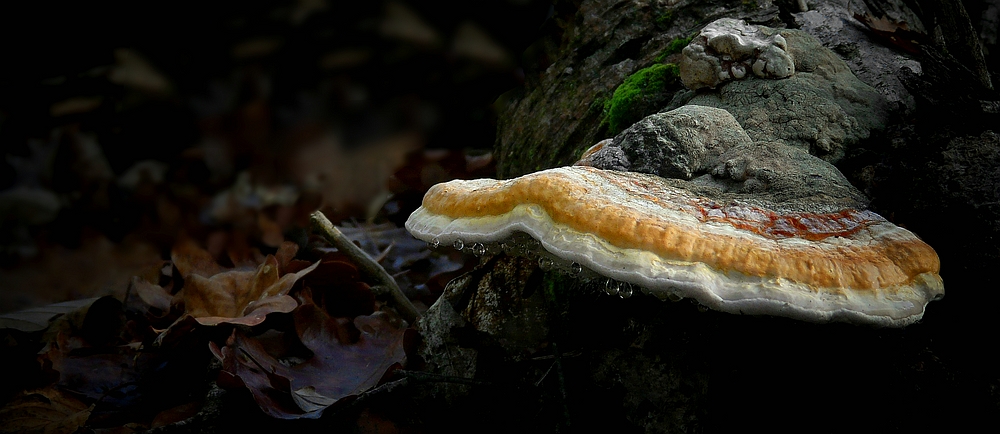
[[895, 33], [48, 411], [191, 259], [133, 71], [285, 254], [75, 105], [37, 319], [152, 295], [176, 414], [272, 234], [349, 177], [98, 267], [106, 374], [337, 287], [348, 358], [241, 297], [340, 367], [246, 364]]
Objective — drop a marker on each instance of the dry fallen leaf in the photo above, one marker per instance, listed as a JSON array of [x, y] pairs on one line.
[[896, 33], [37, 318], [241, 297], [342, 367], [152, 295], [348, 358], [190, 259], [48, 411], [246, 364]]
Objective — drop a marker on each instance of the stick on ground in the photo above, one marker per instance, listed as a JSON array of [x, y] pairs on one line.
[[385, 284]]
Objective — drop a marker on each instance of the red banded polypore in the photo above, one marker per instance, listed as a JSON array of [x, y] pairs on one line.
[[729, 255]]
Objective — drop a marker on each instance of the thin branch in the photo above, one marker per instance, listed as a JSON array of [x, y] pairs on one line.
[[385, 284], [427, 377]]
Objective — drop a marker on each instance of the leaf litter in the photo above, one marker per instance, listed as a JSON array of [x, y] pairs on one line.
[[347, 358], [212, 181]]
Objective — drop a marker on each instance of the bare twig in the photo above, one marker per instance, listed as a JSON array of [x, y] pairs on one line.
[[427, 377], [385, 284]]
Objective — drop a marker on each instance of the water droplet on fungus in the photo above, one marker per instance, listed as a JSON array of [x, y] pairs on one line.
[[478, 249], [612, 287], [575, 269], [545, 263], [626, 290]]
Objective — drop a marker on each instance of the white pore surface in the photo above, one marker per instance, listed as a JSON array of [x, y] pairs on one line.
[[731, 292]]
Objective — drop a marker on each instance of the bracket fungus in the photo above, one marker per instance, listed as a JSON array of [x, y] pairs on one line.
[[675, 239]]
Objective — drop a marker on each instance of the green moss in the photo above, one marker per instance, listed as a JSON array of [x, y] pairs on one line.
[[674, 46], [597, 103], [632, 98], [665, 20]]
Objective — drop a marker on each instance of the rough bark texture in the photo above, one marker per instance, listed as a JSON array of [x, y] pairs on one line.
[[639, 365], [559, 112], [706, 146], [822, 109]]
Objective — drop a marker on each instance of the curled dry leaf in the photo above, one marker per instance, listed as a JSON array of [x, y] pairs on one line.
[[241, 297], [152, 295], [48, 411], [38, 318], [189, 258], [340, 368], [337, 287], [348, 358], [246, 364], [896, 33], [109, 374]]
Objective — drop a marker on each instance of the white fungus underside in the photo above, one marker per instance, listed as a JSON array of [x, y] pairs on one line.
[[731, 292]]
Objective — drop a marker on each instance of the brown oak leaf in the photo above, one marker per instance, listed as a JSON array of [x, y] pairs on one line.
[[241, 297], [246, 364], [48, 411], [897, 33], [348, 358]]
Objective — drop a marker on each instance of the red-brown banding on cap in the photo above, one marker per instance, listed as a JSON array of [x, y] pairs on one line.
[[738, 242], [852, 254]]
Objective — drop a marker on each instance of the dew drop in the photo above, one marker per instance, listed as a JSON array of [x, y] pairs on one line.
[[522, 250], [575, 269], [478, 249], [674, 297], [626, 290], [435, 243], [458, 245], [545, 263], [612, 286], [530, 244]]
